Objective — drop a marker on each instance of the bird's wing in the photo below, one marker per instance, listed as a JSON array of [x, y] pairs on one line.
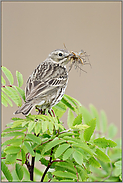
[[45, 79]]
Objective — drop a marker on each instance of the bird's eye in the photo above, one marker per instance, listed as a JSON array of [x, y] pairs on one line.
[[60, 54]]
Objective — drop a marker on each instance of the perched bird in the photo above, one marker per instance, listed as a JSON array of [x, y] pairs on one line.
[[46, 86]]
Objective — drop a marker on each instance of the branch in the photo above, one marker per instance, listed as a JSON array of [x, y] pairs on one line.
[[48, 166]]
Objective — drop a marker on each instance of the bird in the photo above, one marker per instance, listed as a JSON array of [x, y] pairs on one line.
[[46, 85]]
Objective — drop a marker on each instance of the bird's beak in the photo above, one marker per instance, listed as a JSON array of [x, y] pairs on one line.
[[69, 55]]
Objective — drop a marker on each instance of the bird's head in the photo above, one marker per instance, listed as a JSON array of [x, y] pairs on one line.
[[60, 56]]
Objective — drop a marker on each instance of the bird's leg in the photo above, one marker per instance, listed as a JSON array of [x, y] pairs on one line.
[[39, 110], [50, 113], [53, 112], [43, 112]]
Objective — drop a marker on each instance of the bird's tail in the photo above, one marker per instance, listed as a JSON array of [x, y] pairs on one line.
[[24, 109]]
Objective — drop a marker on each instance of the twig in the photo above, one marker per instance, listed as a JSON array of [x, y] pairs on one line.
[[76, 174], [16, 159], [6, 85]]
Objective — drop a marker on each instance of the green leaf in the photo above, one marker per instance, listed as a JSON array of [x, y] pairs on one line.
[[60, 106], [50, 127], [58, 112], [93, 162], [80, 127], [71, 100], [44, 126], [3, 81], [118, 168], [78, 156], [6, 98], [23, 156], [61, 149], [29, 148], [89, 131], [17, 123], [84, 147], [11, 158], [64, 166], [65, 180], [21, 92], [112, 131], [70, 119], [34, 138], [118, 164], [12, 149], [26, 174], [19, 171], [6, 172], [55, 123], [85, 114], [102, 156], [95, 115], [14, 134], [103, 143], [19, 78], [31, 126], [37, 171], [12, 141], [66, 134], [3, 100], [64, 101], [77, 120], [12, 93], [65, 174], [38, 127], [52, 144], [8, 74], [67, 154], [103, 122]]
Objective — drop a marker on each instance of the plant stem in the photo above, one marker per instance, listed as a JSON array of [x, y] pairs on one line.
[[32, 168], [48, 166]]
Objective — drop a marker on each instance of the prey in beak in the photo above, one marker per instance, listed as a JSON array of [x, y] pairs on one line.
[[78, 58]]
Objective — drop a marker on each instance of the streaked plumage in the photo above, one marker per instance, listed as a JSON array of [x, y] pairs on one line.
[[45, 87]]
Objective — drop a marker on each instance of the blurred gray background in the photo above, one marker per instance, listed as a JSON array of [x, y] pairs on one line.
[[31, 30]]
